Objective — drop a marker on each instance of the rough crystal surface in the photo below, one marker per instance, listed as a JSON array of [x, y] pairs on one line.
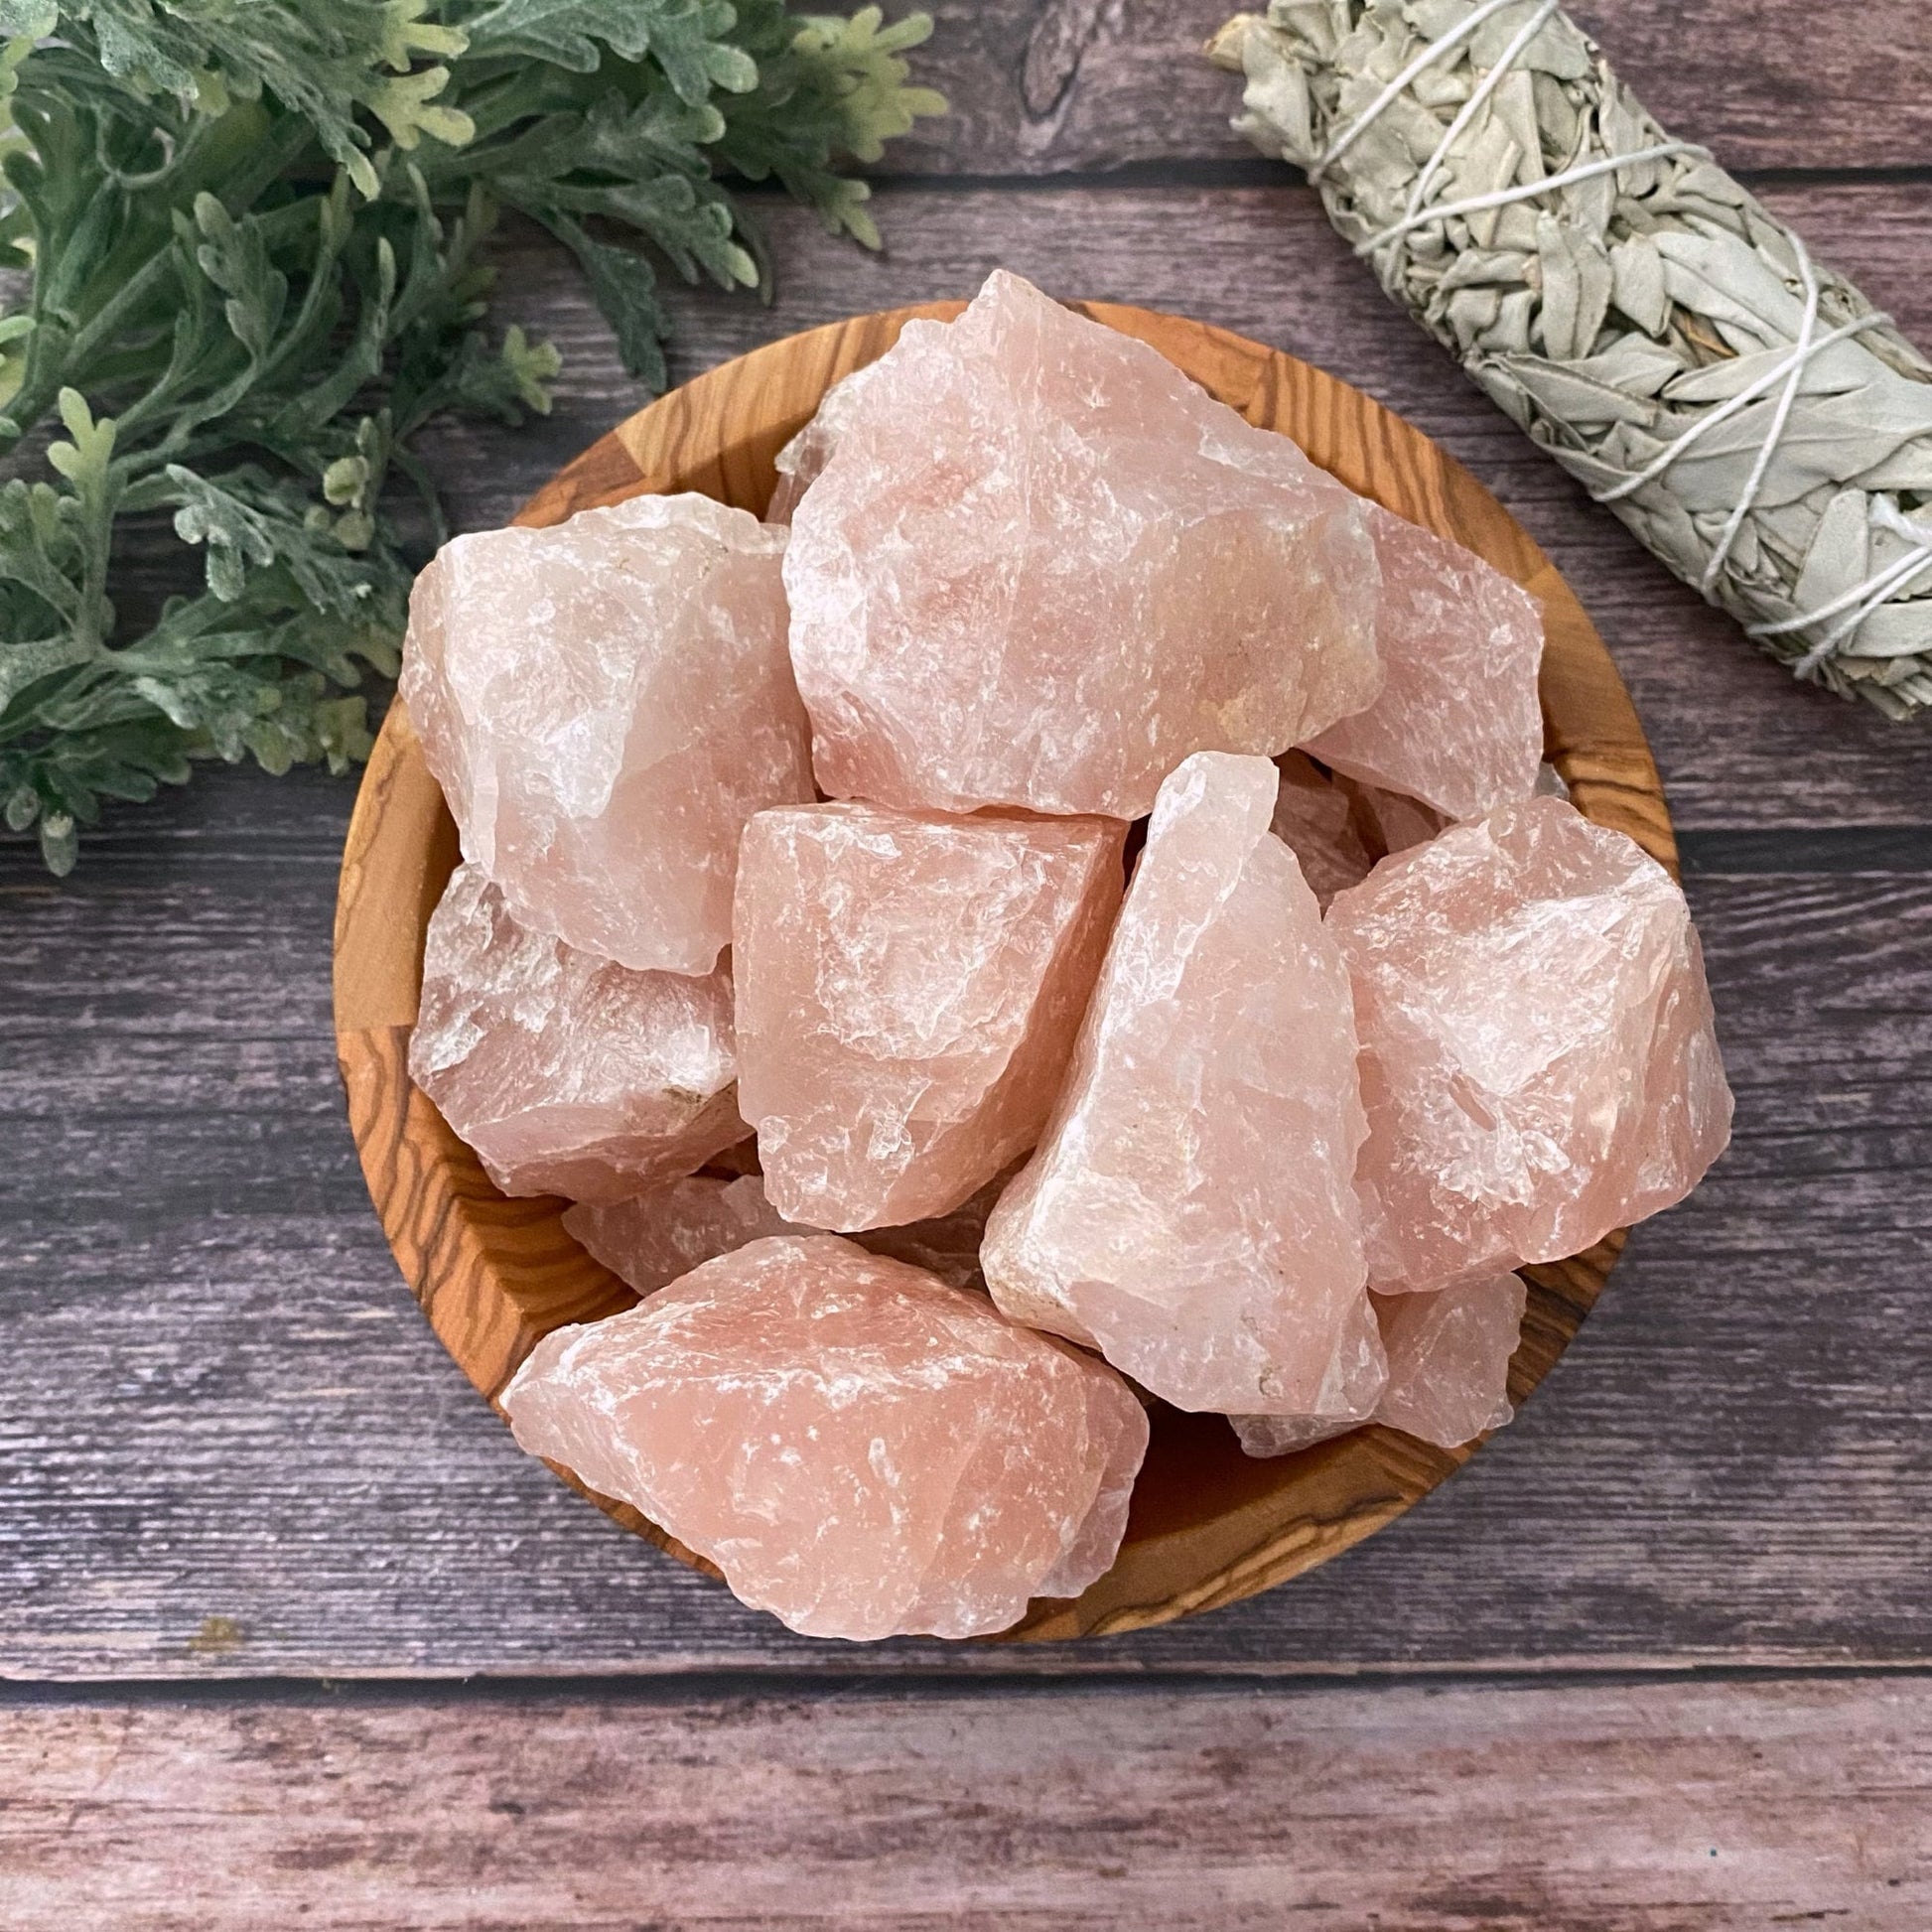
[[801, 460], [861, 1450], [1191, 1210], [1449, 1370], [1538, 1060], [654, 1238], [1449, 1358], [569, 1074], [1457, 723], [1390, 822], [604, 704], [1040, 567], [909, 990]]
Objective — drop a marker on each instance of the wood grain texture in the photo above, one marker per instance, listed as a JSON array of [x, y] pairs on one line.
[[1609, 1808], [1046, 85], [1208, 1525], [221, 1403]]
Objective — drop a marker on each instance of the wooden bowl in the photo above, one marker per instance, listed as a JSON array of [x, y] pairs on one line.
[[1208, 1525]]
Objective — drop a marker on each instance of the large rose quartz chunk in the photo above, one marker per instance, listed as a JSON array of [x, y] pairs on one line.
[[569, 1074], [654, 1239], [1449, 1370], [1040, 567], [1457, 723], [1449, 1358], [909, 990], [1191, 1211], [604, 704], [862, 1451], [1538, 1060]]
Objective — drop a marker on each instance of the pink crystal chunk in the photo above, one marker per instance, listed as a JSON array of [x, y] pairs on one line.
[[1457, 723], [654, 1238], [1449, 1370], [862, 1451], [909, 990], [1538, 1060], [801, 461], [1315, 819], [569, 1074], [604, 704], [1042, 566], [1449, 1358], [1191, 1211]]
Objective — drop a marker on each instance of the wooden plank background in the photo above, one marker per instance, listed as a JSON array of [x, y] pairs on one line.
[[1527, 1806], [231, 1455]]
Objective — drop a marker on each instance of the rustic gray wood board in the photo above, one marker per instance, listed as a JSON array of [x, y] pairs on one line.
[[1046, 85], [231, 1451], [224, 1404], [1661, 1806]]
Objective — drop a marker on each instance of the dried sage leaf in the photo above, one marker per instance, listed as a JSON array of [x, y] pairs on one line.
[[1663, 336]]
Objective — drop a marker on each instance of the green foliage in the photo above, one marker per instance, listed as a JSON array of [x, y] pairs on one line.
[[251, 234]]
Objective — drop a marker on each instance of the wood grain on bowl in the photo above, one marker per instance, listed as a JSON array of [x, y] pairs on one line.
[[1209, 1525]]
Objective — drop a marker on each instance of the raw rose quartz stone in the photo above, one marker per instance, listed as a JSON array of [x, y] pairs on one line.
[[604, 704], [1191, 1211], [1449, 1370], [1040, 567], [569, 1074], [1315, 819], [1352, 1404], [654, 1238], [861, 1450], [1449, 1358], [1457, 723], [1538, 1060], [801, 460], [909, 988]]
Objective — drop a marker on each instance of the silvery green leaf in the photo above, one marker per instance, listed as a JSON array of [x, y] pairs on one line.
[[1477, 266], [1637, 277], [1574, 397]]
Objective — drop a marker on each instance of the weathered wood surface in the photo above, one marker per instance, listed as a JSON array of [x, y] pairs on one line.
[[1660, 1807], [1044, 85], [223, 1405], [229, 1449]]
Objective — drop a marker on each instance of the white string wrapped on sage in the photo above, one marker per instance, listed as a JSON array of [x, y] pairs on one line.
[[1746, 412]]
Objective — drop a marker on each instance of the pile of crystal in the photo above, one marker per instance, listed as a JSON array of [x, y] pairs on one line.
[[1538, 1061], [861, 1450], [604, 704], [909, 988], [569, 1074], [1448, 1355], [1191, 1209], [817, 836]]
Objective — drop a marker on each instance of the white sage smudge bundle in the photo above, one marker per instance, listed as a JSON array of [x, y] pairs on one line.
[[1671, 343]]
